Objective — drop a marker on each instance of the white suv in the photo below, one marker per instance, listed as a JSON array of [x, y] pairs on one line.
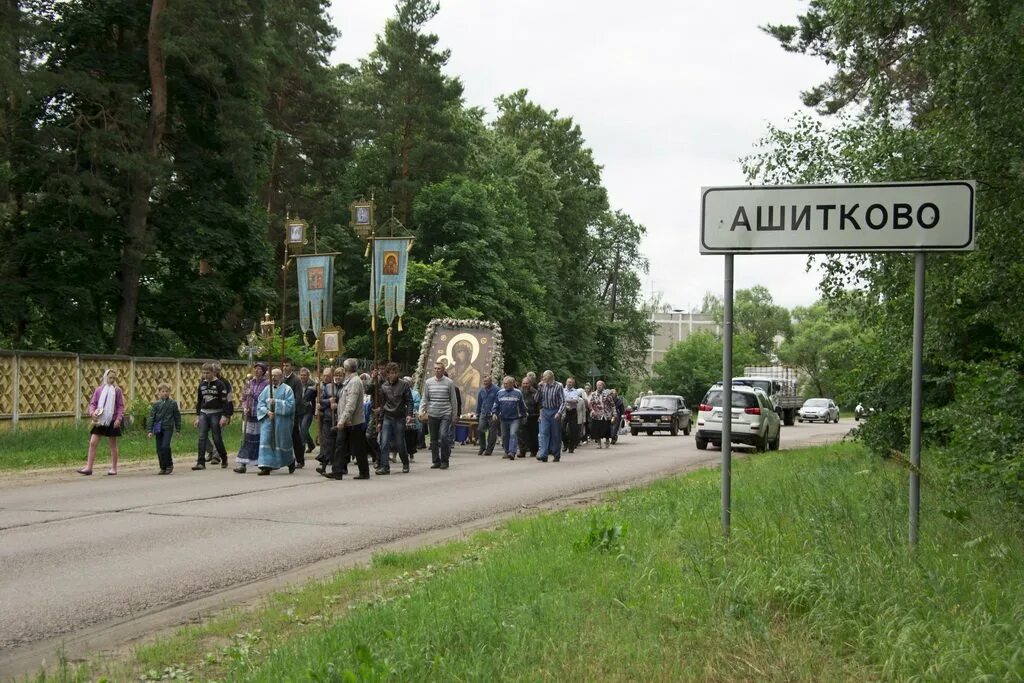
[[754, 421]]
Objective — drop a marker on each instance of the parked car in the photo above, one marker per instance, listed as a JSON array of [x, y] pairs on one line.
[[665, 413], [814, 409], [754, 420]]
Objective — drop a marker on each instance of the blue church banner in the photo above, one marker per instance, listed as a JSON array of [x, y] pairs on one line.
[[316, 288], [390, 266]]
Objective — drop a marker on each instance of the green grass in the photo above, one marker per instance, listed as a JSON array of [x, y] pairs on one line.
[[66, 445], [816, 583]]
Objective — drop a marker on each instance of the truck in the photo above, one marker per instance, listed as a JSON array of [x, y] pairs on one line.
[[780, 383]]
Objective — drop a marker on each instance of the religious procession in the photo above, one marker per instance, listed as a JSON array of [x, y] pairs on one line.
[[367, 411], [378, 416]]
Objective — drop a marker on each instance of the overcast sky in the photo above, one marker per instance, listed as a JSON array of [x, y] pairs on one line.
[[669, 95]]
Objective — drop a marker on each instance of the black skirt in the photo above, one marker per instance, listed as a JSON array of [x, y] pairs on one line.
[[109, 430]]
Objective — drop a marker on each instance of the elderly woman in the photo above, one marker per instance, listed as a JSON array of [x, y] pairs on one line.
[[107, 411], [249, 451]]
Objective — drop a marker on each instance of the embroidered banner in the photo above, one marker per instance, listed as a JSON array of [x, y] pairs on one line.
[[390, 264], [316, 288]]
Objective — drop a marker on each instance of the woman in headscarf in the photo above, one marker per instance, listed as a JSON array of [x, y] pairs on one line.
[[107, 411], [249, 452]]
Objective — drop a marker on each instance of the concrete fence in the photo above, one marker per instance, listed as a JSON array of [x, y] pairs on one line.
[[40, 387]]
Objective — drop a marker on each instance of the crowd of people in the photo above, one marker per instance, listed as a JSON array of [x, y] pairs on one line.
[[363, 417]]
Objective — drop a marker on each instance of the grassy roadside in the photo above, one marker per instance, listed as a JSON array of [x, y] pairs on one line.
[[816, 583], [65, 446]]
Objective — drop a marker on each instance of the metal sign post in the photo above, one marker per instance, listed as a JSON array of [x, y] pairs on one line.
[[727, 398], [915, 397], [807, 219]]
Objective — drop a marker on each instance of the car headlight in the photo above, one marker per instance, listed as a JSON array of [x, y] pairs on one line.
[[666, 418]]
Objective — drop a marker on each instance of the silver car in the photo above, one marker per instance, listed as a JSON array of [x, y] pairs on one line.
[[815, 409]]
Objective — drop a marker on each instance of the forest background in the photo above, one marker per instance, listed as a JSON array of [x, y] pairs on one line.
[[151, 152]]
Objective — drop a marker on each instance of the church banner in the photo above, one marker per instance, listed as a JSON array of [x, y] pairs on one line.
[[390, 264], [316, 288]]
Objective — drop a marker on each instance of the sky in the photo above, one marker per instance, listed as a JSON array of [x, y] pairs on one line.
[[669, 94]]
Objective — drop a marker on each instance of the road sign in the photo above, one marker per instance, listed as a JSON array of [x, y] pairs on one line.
[[926, 216]]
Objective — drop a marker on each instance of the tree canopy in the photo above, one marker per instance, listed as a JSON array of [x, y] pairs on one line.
[[150, 154], [924, 91]]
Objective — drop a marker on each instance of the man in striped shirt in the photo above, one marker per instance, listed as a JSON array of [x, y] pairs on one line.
[[439, 405], [552, 407]]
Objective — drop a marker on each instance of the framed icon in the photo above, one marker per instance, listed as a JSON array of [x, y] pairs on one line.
[[330, 341], [296, 232], [362, 215], [390, 263]]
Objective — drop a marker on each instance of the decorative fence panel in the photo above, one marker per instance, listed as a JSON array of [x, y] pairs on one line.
[[35, 384]]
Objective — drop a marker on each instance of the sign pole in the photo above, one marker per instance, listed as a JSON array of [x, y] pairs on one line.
[[727, 398], [915, 396]]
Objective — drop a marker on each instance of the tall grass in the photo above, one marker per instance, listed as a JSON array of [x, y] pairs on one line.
[[816, 583], [65, 445]]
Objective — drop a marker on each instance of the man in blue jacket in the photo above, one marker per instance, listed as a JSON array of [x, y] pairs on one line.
[[485, 407], [509, 408]]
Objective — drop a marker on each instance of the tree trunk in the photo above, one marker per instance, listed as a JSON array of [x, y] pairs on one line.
[[142, 184]]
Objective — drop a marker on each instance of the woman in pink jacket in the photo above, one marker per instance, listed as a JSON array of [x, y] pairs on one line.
[[106, 410]]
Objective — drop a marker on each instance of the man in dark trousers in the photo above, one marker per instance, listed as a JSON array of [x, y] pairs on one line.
[[528, 427], [396, 409], [351, 435], [487, 429], [291, 378], [213, 410]]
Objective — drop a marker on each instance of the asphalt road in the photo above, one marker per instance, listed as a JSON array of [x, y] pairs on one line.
[[79, 554]]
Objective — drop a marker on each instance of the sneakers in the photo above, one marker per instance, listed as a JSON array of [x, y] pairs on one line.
[[215, 460], [405, 469], [198, 466], [224, 463], [382, 471], [239, 470], [435, 466]]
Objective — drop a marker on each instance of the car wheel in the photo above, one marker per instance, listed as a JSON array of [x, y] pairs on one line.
[[686, 430], [773, 445], [837, 419], [800, 420], [702, 444], [675, 429], [633, 432], [761, 445], [650, 432]]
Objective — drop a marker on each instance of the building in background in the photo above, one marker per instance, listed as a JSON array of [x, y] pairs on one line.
[[672, 325]]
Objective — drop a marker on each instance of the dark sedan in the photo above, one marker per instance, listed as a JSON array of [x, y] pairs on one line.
[[660, 414]]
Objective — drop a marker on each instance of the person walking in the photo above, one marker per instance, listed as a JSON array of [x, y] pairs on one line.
[[351, 441], [249, 451], [309, 400], [275, 410], [620, 410], [571, 431], [585, 412], [509, 409], [163, 422], [327, 410], [440, 408], [529, 425], [412, 428], [107, 410], [298, 387], [396, 413], [602, 411], [212, 412], [552, 405], [486, 427]]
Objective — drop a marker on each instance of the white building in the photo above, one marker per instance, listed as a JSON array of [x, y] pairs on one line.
[[673, 325]]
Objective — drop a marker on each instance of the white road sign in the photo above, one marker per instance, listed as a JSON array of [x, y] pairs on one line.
[[928, 216]]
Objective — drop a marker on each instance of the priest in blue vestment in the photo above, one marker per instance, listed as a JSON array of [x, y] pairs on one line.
[[275, 411]]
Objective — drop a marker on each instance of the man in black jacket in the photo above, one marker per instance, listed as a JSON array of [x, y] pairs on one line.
[[213, 410], [528, 438], [291, 378], [396, 409]]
